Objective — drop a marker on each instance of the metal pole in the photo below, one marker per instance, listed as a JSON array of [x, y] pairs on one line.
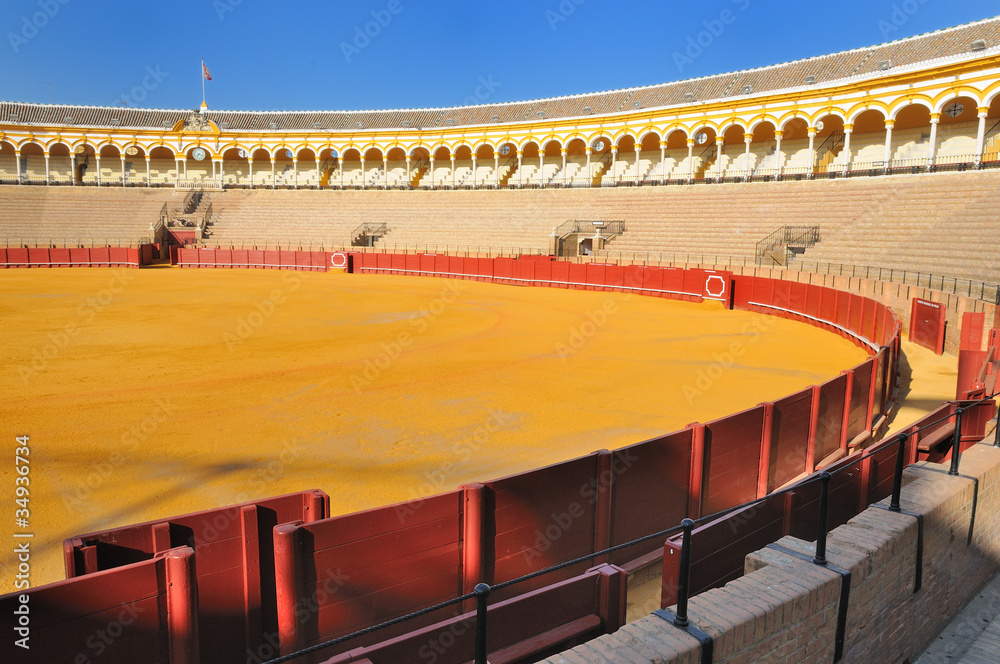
[[683, 576], [482, 593], [897, 481], [956, 442], [824, 513]]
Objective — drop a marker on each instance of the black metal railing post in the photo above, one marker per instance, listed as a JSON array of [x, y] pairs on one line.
[[824, 514], [996, 431], [897, 478], [482, 593], [683, 576], [956, 442]]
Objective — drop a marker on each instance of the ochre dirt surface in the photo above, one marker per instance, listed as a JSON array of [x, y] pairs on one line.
[[155, 392]]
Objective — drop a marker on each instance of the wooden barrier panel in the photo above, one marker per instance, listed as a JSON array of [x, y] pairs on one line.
[[927, 323], [543, 517], [648, 485], [144, 612], [857, 422], [732, 452], [831, 436], [338, 575], [522, 629], [235, 572], [789, 444], [719, 547]]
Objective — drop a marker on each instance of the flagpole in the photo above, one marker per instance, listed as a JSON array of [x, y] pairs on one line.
[[202, 80]]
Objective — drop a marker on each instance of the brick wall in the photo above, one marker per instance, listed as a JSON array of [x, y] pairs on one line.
[[785, 609]]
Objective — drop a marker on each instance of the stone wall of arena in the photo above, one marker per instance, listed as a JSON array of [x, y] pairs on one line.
[[785, 608]]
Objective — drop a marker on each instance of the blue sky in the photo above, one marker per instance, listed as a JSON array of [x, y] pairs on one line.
[[297, 55]]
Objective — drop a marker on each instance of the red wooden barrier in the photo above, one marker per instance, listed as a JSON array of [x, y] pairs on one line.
[[655, 473], [523, 629], [789, 445], [732, 451], [364, 568], [232, 546], [144, 612], [927, 322], [542, 517]]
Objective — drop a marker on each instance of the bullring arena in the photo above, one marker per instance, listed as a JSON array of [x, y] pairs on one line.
[[342, 387]]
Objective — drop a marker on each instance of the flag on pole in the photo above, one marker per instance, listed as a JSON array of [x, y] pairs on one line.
[[205, 72]]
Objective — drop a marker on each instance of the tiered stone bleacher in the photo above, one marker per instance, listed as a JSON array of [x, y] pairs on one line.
[[80, 216]]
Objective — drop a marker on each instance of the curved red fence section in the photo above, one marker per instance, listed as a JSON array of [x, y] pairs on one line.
[[322, 577]]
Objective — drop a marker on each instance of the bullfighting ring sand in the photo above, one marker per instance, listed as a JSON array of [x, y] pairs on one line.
[[155, 392]]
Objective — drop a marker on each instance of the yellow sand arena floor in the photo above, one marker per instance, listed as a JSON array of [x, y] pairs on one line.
[[149, 393]]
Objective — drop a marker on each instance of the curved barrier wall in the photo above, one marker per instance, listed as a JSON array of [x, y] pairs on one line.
[[335, 575]]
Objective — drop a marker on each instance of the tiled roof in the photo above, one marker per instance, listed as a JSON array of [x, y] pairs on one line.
[[825, 69]]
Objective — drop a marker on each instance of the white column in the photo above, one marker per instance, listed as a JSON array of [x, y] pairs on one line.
[[123, 170], [47, 167], [564, 166], [690, 159], [250, 163], [638, 151], [590, 175], [541, 167], [385, 169], [274, 177], [473, 170], [496, 168], [812, 151], [340, 171], [148, 178], [747, 138], [432, 171], [663, 161], [184, 159], [72, 168], [453, 178], [319, 174], [364, 176], [720, 148], [981, 134], [17, 159], [614, 160], [779, 163], [846, 159], [295, 172], [520, 172], [408, 177], [97, 158], [887, 155]]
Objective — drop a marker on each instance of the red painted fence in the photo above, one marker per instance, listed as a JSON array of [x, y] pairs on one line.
[[11, 257], [233, 551], [927, 322], [269, 259], [334, 575]]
